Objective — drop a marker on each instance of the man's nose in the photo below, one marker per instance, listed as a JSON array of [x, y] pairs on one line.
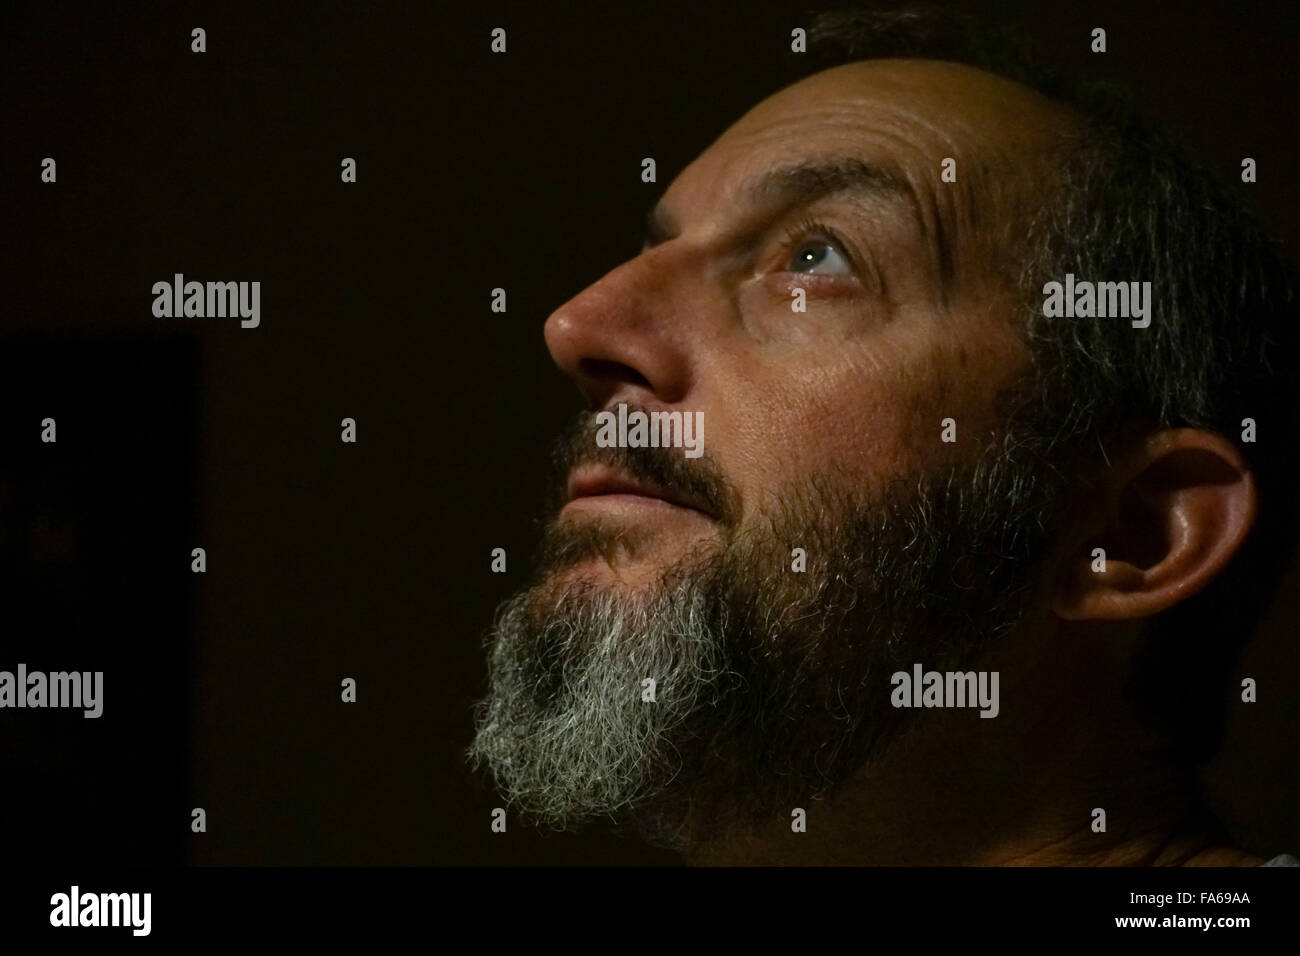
[[628, 334]]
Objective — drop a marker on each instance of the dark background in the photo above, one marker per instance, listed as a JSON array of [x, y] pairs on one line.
[[371, 560]]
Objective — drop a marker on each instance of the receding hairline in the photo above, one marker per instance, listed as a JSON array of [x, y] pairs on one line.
[[935, 72]]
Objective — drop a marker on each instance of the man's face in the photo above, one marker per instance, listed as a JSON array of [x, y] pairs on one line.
[[906, 321], [822, 431]]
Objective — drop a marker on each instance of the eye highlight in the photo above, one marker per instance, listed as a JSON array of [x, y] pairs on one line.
[[802, 242]]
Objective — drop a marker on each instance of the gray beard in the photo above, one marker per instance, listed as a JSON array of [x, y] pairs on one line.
[[771, 686]]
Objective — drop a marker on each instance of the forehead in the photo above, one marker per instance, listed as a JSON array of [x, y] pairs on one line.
[[935, 101], [904, 116]]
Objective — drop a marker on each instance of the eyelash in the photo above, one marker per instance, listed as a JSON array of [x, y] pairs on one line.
[[806, 229]]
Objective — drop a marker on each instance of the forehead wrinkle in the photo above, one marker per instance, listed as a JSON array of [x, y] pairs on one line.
[[801, 183], [943, 209], [815, 177], [937, 235]]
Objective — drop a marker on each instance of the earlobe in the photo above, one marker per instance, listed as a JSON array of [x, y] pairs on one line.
[[1175, 511]]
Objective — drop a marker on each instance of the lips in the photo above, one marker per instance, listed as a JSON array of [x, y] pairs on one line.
[[593, 481]]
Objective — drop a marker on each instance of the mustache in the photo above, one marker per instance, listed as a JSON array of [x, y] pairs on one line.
[[668, 468]]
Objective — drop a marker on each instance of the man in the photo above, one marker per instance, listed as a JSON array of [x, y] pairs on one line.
[[962, 570]]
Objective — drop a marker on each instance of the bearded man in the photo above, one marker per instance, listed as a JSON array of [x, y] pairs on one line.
[[912, 471]]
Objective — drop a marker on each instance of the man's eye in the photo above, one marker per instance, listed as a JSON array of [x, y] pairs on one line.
[[822, 256], [816, 250]]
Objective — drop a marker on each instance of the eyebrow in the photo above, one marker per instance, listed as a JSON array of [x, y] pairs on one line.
[[802, 184]]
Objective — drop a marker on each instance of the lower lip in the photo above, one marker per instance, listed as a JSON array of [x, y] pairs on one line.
[[625, 501]]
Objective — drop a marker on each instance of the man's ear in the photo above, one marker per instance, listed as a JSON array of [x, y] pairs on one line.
[[1169, 516]]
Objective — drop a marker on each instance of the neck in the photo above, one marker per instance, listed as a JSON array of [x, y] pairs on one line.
[[1022, 788]]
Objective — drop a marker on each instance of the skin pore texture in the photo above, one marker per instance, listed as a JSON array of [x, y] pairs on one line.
[[911, 319]]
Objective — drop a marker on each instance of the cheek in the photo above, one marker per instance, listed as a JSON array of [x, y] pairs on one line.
[[841, 415]]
